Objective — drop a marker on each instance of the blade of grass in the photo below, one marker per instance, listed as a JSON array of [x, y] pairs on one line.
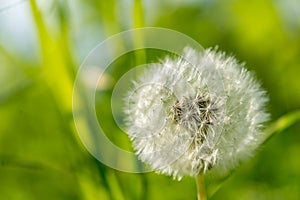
[[282, 123], [55, 71], [138, 22], [59, 79], [114, 184], [276, 127], [138, 14]]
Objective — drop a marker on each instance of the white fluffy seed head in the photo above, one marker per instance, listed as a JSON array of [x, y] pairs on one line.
[[198, 114]]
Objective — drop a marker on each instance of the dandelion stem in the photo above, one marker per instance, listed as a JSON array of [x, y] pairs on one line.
[[201, 195]]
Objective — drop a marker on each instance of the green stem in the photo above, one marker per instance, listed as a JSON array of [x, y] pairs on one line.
[[201, 195]]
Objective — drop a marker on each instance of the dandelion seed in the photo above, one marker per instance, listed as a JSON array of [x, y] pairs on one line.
[[185, 118]]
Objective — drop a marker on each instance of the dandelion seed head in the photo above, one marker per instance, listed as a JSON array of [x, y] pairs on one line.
[[198, 114]]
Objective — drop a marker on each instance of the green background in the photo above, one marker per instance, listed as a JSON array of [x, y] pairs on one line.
[[42, 44]]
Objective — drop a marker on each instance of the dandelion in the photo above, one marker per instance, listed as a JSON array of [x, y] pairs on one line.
[[197, 114]]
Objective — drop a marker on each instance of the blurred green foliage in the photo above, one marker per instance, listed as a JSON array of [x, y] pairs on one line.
[[41, 156]]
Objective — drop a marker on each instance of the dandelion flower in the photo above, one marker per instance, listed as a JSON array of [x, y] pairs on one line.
[[202, 112]]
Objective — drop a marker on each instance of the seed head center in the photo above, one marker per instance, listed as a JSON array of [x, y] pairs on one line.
[[194, 114]]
